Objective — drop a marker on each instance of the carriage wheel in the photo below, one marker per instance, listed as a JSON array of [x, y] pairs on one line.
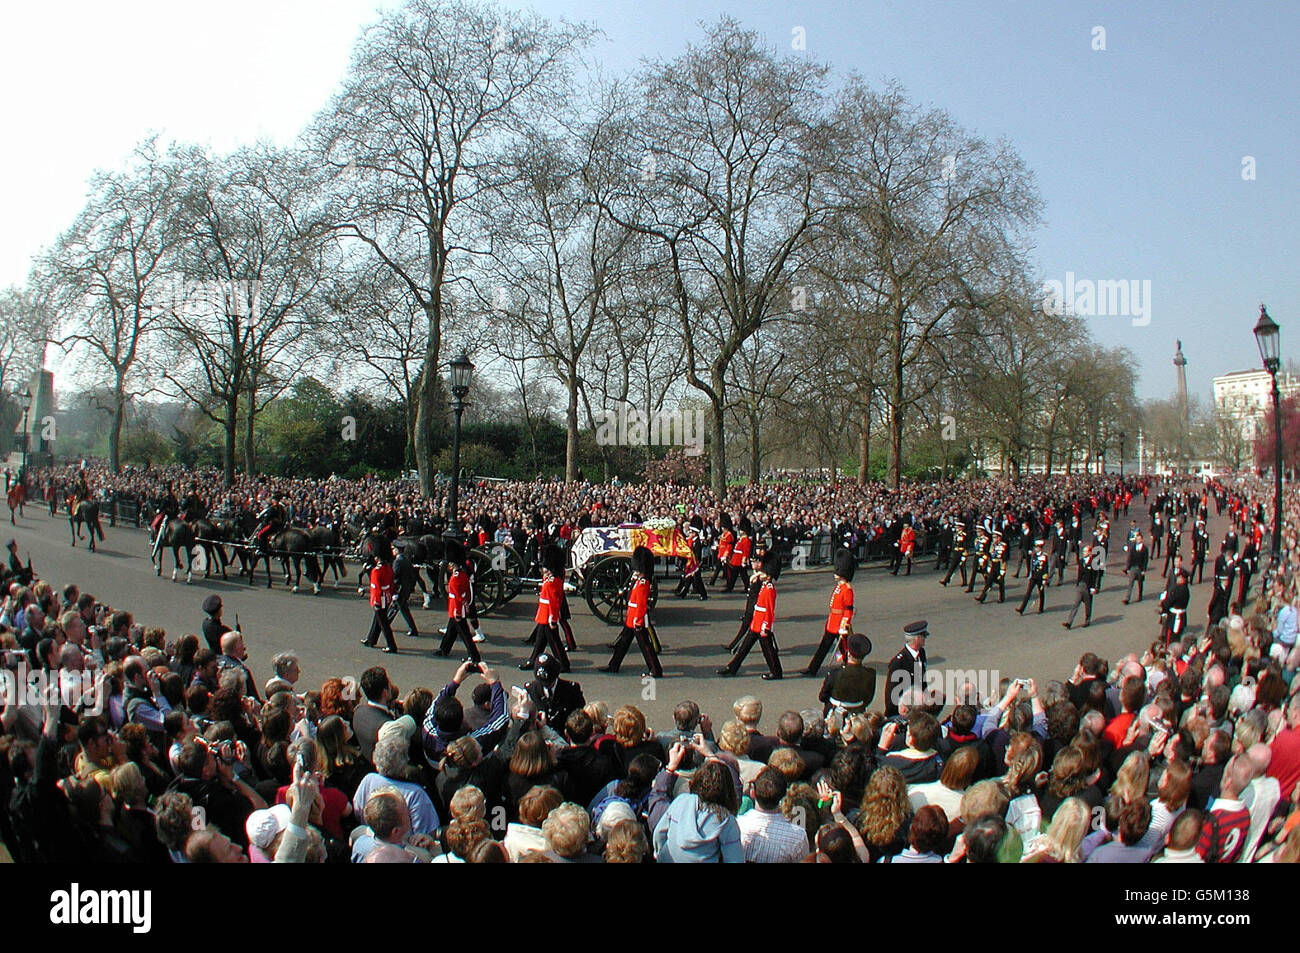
[[605, 588], [489, 583], [508, 562]]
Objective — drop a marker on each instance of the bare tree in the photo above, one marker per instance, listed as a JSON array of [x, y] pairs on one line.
[[436, 91], [104, 273]]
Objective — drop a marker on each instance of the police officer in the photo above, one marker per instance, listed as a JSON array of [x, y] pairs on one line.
[[906, 669], [1039, 569], [404, 576], [557, 697]]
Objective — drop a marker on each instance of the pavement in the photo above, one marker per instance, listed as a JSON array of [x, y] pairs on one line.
[[991, 639]]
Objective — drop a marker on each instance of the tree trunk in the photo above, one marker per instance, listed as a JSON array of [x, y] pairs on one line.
[[250, 462], [424, 405], [115, 428], [755, 447], [231, 427], [864, 447], [571, 431], [718, 459]]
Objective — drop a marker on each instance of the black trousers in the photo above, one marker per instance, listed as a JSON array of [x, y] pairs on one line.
[[546, 638], [380, 624], [734, 573], [459, 627], [997, 574], [956, 561], [823, 649], [740, 633], [1135, 579], [643, 642], [1035, 582], [1082, 596], [768, 644], [402, 604], [693, 583]]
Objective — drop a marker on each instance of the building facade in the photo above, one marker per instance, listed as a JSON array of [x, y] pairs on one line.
[[1245, 396]]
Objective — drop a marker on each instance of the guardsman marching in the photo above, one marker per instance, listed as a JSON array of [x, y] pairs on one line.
[[996, 571], [1157, 531], [1135, 567], [1225, 568], [761, 625], [1173, 543], [1060, 552], [458, 599], [959, 551], [381, 599], [546, 623], [906, 548], [736, 567], [751, 594], [1040, 568], [839, 624], [635, 619], [726, 540]]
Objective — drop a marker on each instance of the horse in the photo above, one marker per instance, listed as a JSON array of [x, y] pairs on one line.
[[211, 535], [84, 513], [17, 496], [326, 539], [177, 536], [427, 551], [287, 543]]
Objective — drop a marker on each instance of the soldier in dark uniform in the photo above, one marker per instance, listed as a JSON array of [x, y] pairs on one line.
[[1173, 544], [1060, 552], [1039, 569], [751, 594], [1224, 570], [907, 668], [192, 507], [996, 568], [1200, 548], [1246, 569], [979, 556], [1157, 531], [943, 548], [1135, 566], [851, 688], [1026, 547], [959, 551]]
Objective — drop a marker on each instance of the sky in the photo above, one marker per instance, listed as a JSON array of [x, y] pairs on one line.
[[1163, 135]]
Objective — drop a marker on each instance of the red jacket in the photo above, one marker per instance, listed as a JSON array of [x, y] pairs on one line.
[[457, 593], [740, 555], [381, 586], [764, 609], [841, 616], [548, 601], [637, 603]]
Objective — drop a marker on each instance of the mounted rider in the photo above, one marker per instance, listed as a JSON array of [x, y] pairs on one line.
[[271, 519], [192, 507]]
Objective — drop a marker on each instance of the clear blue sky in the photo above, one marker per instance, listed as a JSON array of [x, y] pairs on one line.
[[1137, 149]]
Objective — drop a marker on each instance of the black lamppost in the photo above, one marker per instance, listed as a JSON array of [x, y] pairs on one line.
[[1266, 336], [1122, 437], [461, 372], [25, 400]]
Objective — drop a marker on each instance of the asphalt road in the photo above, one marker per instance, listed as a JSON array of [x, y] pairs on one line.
[[324, 629]]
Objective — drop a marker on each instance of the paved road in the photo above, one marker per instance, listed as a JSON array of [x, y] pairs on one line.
[[324, 629]]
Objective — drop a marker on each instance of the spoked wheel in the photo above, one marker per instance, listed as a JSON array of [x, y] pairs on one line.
[[489, 583], [506, 560], [606, 586]]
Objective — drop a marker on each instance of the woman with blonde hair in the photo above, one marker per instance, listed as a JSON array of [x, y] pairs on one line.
[[734, 740], [1060, 845], [1133, 777], [626, 843], [886, 813], [629, 729]]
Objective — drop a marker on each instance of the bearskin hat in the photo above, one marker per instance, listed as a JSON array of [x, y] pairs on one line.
[[845, 564], [553, 560], [643, 561]]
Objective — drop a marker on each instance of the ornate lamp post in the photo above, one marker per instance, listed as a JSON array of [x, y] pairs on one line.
[[1267, 337], [462, 371], [25, 401]]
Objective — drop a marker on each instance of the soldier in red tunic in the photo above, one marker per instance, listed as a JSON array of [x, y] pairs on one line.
[[839, 624], [634, 620], [761, 625]]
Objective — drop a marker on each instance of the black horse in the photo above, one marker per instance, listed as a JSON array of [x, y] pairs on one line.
[[427, 552], [84, 513], [177, 536], [289, 544], [211, 536], [328, 543]]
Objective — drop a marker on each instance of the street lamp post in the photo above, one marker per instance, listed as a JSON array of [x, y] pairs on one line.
[[25, 399], [1122, 437], [461, 373], [1267, 337]]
